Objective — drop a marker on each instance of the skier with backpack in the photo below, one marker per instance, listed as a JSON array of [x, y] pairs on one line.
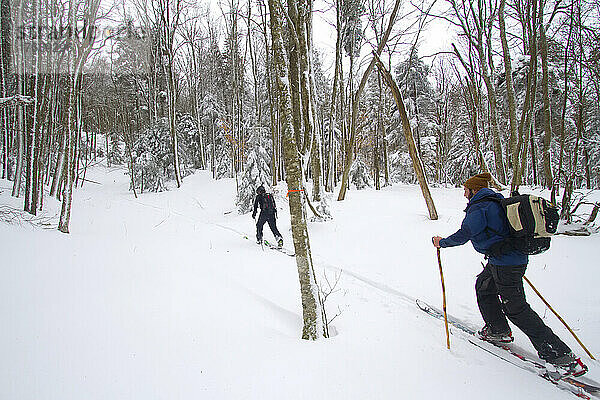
[[268, 213], [491, 224]]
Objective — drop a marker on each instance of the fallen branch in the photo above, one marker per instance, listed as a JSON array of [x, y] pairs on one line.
[[15, 216], [14, 100], [311, 206], [593, 214]]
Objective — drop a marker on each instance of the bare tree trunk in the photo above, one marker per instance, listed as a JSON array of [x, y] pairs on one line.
[[32, 137], [379, 130], [386, 164], [107, 149], [528, 107], [194, 84], [311, 306], [5, 57], [67, 196], [294, 72], [168, 19], [546, 98], [20, 149], [533, 157], [491, 91], [556, 187], [271, 95], [527, 129], [569, 186], [476, 21], [5, 149], [330, 180], [471, 96], [311, 141], [356, 101], [510, 90], [80, 52], [78, 129], [412, 149], [128, 139], [304, 71], [174, 141], [60, 164], [19, 68]]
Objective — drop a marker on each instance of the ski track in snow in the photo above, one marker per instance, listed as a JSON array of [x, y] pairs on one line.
[[318, 261]]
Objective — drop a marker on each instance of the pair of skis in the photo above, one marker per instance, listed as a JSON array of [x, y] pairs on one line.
[[280, 249], [275, 247], [577, 386]]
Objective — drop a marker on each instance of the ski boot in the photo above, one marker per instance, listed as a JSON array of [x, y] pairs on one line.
[[503, 337], [566, 365]]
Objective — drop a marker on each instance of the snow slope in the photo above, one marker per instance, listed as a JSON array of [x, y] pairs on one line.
[[161, 297]]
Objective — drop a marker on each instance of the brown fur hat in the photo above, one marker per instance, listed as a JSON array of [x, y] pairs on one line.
[[478, 181]]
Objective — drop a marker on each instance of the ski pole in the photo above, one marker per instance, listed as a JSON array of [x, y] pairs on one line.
[[559, 318], [261, 242], [443, 298]]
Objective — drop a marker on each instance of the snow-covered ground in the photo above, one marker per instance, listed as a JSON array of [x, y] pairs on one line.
[[161, 297]]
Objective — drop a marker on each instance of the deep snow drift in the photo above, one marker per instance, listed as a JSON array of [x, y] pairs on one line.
[[161, 297]]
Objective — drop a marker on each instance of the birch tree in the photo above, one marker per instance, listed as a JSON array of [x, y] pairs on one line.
[[85, 11], [311, 304]]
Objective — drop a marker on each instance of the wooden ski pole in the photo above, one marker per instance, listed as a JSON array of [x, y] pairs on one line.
[[559, 318], [444, 299]]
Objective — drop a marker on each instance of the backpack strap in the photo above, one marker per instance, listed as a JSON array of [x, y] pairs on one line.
[[502, 246], [485, 198]]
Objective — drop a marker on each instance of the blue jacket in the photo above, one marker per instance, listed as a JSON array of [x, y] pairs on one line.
[[484, 225]]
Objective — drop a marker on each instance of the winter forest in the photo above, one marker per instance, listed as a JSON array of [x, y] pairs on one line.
[[168, 87], [324, 98]]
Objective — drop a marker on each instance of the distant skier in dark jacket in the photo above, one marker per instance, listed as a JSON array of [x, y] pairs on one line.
[[268, 213], [499, 287]]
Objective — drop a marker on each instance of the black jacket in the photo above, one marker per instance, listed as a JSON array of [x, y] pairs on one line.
[[266, 206]]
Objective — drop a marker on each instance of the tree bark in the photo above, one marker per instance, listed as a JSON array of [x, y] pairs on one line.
[[294, 71], [491, 91], [311, 305], [330, 175], [510, 90], [546, 98], [67, 195], [80, 52], [556, 187], [528, 107]]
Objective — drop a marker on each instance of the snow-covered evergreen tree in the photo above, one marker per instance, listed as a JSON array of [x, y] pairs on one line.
[[222, 150], [115, 151], [257, 170], [187, 128], [153, 155], [359, 174]]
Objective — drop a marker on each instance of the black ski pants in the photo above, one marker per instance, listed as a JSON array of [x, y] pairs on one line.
[[500, 294], [270, 218]]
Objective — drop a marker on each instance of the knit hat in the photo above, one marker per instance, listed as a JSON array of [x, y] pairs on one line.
[[478, 181]]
